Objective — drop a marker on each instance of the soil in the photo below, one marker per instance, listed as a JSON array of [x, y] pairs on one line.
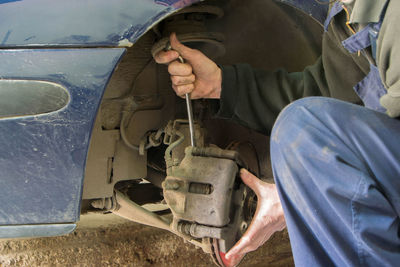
[[111, 241]]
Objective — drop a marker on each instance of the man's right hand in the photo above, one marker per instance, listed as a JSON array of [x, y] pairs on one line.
[[199, 75]]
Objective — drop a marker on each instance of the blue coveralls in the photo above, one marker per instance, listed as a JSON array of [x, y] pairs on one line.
[[337, 169]]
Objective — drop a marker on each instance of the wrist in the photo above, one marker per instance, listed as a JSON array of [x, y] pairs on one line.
[[217, 85], [280, 218], [276, 210]]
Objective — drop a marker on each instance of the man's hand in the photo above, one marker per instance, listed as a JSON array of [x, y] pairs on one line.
[[267, 220], [199, 75]]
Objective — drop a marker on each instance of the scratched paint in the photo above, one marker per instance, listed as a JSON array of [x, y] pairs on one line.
[[5, 39], [95, 22], [77, 23]]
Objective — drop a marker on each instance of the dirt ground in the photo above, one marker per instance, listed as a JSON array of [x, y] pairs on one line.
[[112, 241]]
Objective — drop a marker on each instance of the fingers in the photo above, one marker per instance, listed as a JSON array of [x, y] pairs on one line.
[[238, 248], [267, 220], [179, 69], [198, 74], [186, 52], [183, 89], [165, 57], [251, 181], [182, 77], [182, 80], [232, 261]]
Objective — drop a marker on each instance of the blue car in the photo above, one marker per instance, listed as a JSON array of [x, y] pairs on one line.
[[86, 115]]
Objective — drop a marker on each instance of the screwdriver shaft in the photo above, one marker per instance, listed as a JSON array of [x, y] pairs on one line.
[[190, 118], [188, 106], [189, 112]]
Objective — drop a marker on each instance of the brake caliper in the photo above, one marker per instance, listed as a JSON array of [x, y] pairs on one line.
[[206, 197]]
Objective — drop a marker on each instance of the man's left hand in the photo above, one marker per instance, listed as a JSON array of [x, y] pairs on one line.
[[267, 220]]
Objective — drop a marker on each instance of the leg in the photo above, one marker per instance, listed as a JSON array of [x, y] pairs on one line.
[[337, 168]]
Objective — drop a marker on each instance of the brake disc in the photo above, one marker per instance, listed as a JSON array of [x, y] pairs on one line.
[[218, 256], [249, 200]]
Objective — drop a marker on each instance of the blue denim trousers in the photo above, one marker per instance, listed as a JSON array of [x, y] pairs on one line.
[[337, 169]]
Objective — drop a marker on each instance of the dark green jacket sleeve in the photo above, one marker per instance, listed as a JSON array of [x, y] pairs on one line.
[[254, 97]]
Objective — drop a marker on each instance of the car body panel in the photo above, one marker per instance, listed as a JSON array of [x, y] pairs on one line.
[[42, 157], [27, 23], [36, 230], [77, 23]]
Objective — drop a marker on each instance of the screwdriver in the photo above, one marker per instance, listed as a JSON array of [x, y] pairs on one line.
[[188, 104]]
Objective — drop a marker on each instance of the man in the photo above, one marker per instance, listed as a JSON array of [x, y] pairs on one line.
[[336, 165]]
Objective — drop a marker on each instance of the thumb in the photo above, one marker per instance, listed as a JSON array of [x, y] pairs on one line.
[[186, 52], [238, 248], [251, 181]]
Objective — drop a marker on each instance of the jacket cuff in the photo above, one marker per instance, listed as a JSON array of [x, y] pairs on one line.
[[229, 92]]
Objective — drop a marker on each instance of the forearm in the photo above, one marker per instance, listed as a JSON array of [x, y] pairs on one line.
[[255, 97]]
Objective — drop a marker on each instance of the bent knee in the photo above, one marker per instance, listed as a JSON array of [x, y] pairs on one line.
[[295, 115], [303, 117]]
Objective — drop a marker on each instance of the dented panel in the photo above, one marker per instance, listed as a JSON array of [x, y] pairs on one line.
[[42, 157]]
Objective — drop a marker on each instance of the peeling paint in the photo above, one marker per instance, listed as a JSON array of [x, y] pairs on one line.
[[69, 23], [125, 43]]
